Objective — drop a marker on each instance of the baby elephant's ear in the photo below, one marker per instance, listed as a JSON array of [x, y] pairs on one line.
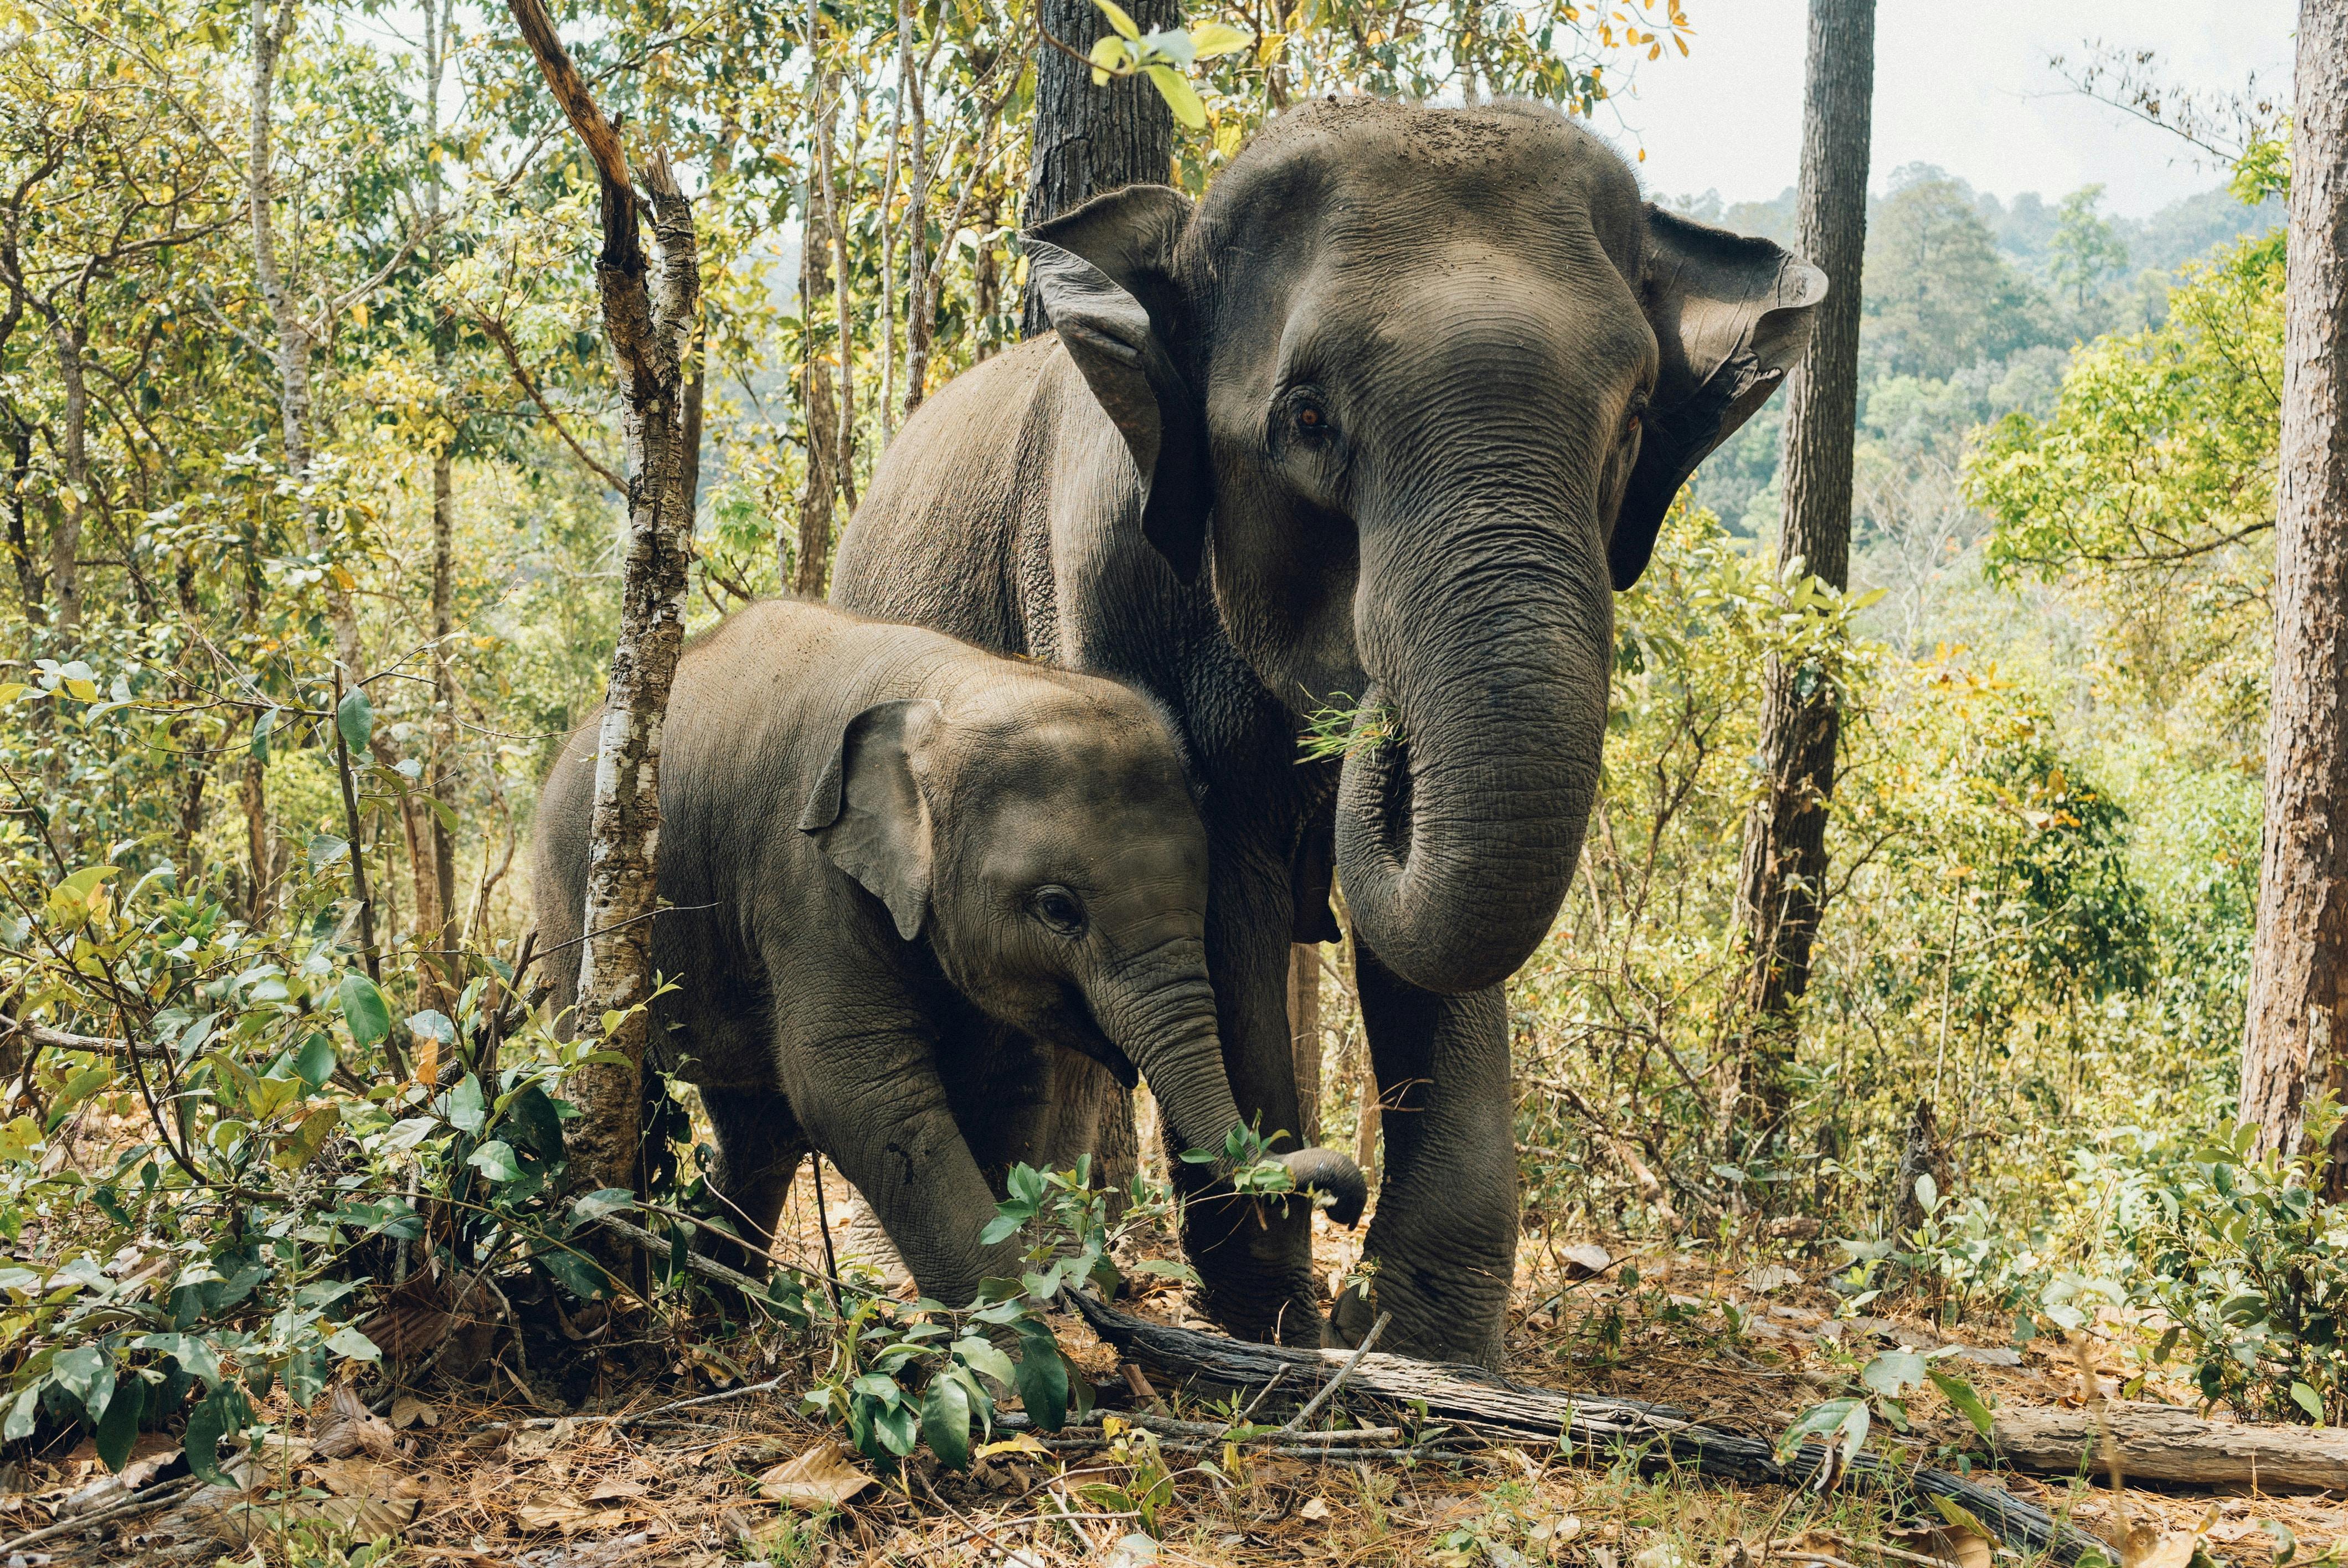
[[867, 814]]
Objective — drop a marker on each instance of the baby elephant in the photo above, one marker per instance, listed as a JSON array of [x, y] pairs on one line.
[[896, 863]]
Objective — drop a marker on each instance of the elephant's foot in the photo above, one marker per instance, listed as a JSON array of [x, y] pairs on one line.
[[1434, 1316]]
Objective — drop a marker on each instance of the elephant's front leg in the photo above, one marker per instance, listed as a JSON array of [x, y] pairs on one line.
[[1442, 1244], [1254, 1259], [872, 1102]]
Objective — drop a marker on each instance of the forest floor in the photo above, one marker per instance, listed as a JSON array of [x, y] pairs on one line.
[[500, 1470]]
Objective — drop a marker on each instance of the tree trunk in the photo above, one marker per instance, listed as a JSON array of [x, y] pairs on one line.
[[647, 318], [436, 877], [270, 33], [1783, 875], [919, 314], [825, 186], [2161, 1442], [2295, 1038], [822, 416], [1305, 1037], [1595, 1426], [29, 579], [1089, 139]]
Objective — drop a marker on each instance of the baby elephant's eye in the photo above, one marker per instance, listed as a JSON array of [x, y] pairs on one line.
[[1060, 909]]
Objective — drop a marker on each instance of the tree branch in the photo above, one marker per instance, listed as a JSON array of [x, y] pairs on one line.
[[496, 332]]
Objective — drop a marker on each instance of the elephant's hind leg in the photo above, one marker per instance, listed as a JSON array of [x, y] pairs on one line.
[[760, 1145]]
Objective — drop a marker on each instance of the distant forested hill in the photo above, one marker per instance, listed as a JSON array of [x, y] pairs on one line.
[[1973, 305]]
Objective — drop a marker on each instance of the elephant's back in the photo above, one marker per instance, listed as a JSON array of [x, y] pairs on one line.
[[937, 539]]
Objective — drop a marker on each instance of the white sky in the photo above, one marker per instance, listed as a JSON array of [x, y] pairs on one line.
[[1959, 83]]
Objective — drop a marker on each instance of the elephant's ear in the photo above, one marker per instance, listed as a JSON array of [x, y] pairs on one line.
[[1731, 316], [867, 814], [1105, 276]]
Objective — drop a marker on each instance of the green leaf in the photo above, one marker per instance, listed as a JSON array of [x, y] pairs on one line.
[[1893, 1373], [1002, 1227], [22, 1414], [603, 1200], [945, 1421], [1831, 1420], [118, 1430], [297, 1151], [349, 1342], [1109, 53], [1180, 94], [2306, 1399], [355, 720], [1118, 19], [195, 1357], [223, 1415], [468, 1112], [1966, 1398], [430, 1025], [983, 1357], [1958, 1514], [260, 729], [898, 1427], [326, 849], [21, 1139], [1217, 38], [1042, 1379], [316, 1061], [495, 1159], [575, 1272], [363, 1010]]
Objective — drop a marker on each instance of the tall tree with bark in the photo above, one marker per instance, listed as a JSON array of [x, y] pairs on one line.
[[648, 319], [2295, 1037], [1089, 139], [436, 866], [1782, 879]]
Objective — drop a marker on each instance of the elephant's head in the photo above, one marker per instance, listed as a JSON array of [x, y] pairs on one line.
[[1416, 387], [1039, 832]]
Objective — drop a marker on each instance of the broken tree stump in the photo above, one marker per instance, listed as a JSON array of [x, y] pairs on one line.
[[1489, 1405], [2161, 1442]]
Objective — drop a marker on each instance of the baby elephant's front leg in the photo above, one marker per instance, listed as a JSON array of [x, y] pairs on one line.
[[874, 1105]]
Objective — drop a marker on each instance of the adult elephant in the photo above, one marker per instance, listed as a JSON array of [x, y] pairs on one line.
[[1379, 425]]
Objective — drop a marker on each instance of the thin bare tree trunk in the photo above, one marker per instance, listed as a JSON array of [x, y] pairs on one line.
[[1782, 879], [823, 187], [822, 416], [2295, 1036], [270, 35], [1305, 1037], [435, 872], [918, 312], [648, 320]]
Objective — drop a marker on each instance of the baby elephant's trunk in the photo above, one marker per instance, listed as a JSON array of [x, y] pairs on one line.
[[1169, 1033], [1168, 1029]]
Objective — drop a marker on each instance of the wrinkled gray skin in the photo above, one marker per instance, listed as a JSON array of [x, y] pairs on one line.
[[888, 855], [1389, 415]]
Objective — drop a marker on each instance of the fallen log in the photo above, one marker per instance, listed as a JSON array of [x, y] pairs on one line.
[[2161, 1442], [1475, 1399]]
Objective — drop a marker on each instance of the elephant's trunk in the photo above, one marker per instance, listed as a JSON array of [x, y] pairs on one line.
[[1490, 645], [1167, 1027]]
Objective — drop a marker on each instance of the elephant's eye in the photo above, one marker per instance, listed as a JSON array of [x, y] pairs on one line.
[[1060, 909], [1307, 418]]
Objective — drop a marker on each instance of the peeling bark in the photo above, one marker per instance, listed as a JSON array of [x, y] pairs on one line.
[[2295, 1035], [648, 316]]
